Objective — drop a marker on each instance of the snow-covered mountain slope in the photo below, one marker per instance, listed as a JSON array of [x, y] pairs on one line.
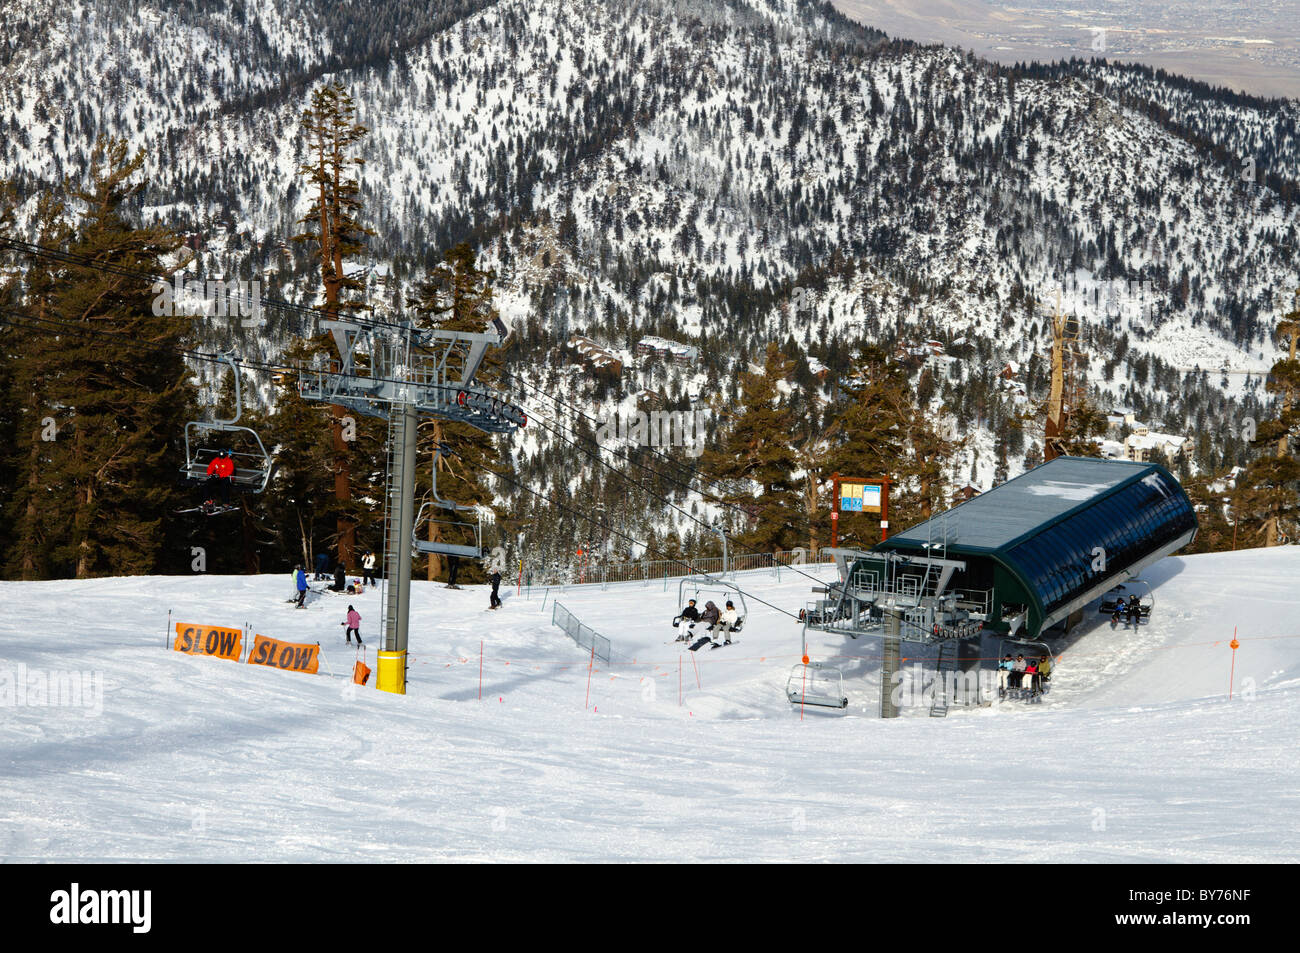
[[726, 172], [1135, 755]]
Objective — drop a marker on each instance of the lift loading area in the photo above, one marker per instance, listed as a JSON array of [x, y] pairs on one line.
[[1012, 563]]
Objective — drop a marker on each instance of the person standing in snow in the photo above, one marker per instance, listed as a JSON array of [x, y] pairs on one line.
[[354, 625], [300, 578], [453, 567], [368, 565], [322, 566], [496, 584], [340, 579]]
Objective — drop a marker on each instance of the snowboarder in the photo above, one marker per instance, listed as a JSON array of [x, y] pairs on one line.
[[354, 625], [301, 580], [710, 616], [368, 565], [496, 583], [340, 579], [1134, 611]]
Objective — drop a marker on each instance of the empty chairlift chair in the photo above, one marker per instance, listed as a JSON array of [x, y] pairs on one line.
[[457, 538], [816, 684]]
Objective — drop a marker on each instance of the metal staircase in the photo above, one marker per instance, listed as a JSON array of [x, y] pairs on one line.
[[948, 663]]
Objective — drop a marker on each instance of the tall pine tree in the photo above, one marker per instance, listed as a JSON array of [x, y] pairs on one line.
[[332, 225]]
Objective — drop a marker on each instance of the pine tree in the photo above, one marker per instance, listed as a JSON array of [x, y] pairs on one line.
[[115, 386], [333, 226], [38, 507], [758, 448]]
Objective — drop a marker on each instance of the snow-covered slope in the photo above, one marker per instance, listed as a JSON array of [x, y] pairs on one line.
[[1136, 754]]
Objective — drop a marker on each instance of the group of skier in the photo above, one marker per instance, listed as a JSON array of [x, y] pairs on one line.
[[725, 621], [1012, 674]]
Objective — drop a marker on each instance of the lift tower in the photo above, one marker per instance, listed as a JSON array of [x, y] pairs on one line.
[[400, 373]]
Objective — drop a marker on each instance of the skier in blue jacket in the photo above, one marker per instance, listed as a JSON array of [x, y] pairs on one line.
[[302, 584]]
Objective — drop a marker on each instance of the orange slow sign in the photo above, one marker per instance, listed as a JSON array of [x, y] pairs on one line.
[[209, 640], [293, 656]]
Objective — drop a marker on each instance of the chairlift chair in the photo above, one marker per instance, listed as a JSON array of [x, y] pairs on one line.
[[461, 529], [253, 466], [816, 684], [1120, 593], [717, 589], [1029, 649]]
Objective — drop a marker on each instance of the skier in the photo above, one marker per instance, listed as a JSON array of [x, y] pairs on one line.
[[322, 566], [1018, 672], [368, 564], [220, 471], [730, 619], [340, 579], [496, 583], [1031, 670], [1134, 611], [1044, 671], [354, 625], [690, 615], [301, 579], [453, 566], [1004, 675]]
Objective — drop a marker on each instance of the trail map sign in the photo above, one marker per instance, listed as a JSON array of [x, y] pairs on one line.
[[854, 495]]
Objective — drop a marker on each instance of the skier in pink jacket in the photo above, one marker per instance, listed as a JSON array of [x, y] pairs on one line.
[[354, 625]]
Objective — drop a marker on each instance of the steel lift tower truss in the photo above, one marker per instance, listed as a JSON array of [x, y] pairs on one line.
[[400, 373]]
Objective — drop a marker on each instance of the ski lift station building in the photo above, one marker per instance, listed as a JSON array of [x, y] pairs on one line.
[[1040, 547]]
